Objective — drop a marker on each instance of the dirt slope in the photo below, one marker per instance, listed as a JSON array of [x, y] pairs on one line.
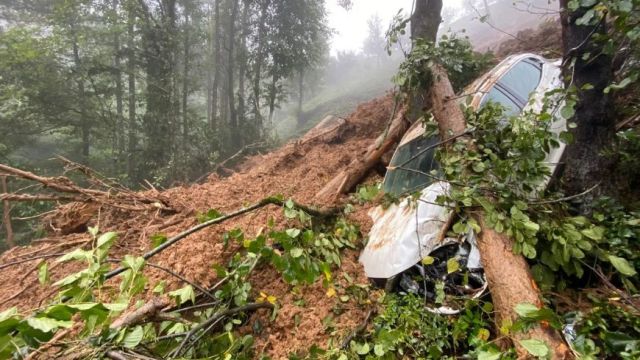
[[297, 170]]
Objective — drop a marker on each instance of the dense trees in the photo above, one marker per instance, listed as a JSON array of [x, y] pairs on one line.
[[151, 89]]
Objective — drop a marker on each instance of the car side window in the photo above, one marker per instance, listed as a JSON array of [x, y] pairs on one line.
[[513, 89], [522, 80]]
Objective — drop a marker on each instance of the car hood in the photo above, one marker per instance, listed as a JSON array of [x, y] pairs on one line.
[[405, 233]]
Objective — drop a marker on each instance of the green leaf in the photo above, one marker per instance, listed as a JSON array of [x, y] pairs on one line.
[[293, 233], [158, 239], [93, 230], [594, 233], [133, 337], [296, 252], [622, 265], [183, 295], [106, 239], [116, 307], [428, 260], [452, 265], [47, 324], [77, 254], [526, 310], [535, 347], [489, 355], [363, 349], [568, 111], [378, 349], [43, 273], [8, 320]]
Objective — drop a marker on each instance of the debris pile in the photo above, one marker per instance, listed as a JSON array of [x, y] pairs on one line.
[[298, 170]]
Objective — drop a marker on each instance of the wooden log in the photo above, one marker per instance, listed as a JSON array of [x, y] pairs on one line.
[[6, 213], [347, 179]]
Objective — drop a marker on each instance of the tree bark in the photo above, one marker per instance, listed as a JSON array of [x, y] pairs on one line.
[[185, 84], [131, 70], [585, 164], [6, 214], [346, 180], [426, 20], [257, 93], [233, 116], [243, 135], [85, 126], [300, 94], [119, 132], [217, 72]]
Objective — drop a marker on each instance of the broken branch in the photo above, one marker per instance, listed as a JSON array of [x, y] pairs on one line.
[[256, 206]]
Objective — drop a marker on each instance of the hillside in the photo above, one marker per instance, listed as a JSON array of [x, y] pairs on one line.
[[295, 170]]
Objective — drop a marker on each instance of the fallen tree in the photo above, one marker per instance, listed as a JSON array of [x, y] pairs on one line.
[[110, 195]]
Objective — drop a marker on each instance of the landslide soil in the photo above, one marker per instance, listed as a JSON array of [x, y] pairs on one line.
[[297, 170]]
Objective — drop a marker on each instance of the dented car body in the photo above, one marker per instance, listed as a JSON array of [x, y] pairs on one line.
[[407, 232]]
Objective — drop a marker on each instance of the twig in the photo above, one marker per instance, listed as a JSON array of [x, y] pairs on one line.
[[358, 330], [258, 205], [173, 273], [22, 261], [145, 311], [216, 317], [568, 198], [42, 197]]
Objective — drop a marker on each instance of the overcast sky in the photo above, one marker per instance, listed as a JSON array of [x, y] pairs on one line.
[[351, 26]]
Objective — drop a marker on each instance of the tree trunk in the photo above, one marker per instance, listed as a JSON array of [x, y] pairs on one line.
[[300, 95], [233, 116], [262, 26], [426, 20], [243, 135], [6, 214], [218, 61], [85, 126], [119, 132], [132, 170], [272, 97], [185, 85], [586, 165]]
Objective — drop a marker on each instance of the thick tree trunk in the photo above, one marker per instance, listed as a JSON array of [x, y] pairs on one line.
[[585, 164], [132, 128], [426, 20], [508, 274], [6, 213]]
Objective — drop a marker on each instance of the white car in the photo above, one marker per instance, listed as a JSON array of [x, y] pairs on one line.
[[407, 232]]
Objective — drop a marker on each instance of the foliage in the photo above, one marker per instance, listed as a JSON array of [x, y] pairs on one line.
[[301, 254], [456, 55], [405, 329], [607, 329]]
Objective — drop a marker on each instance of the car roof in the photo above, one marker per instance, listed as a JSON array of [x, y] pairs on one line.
[[479, 88]]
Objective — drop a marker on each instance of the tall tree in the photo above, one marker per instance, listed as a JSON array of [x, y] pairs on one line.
[[589, 72]]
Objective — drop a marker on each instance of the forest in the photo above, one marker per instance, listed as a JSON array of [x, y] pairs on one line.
[[226, 179]]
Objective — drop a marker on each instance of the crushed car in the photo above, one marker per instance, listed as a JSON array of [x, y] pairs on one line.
[[408, 250]]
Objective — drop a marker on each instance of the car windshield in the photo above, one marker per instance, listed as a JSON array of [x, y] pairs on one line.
[[414, 160], [512, 91]]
